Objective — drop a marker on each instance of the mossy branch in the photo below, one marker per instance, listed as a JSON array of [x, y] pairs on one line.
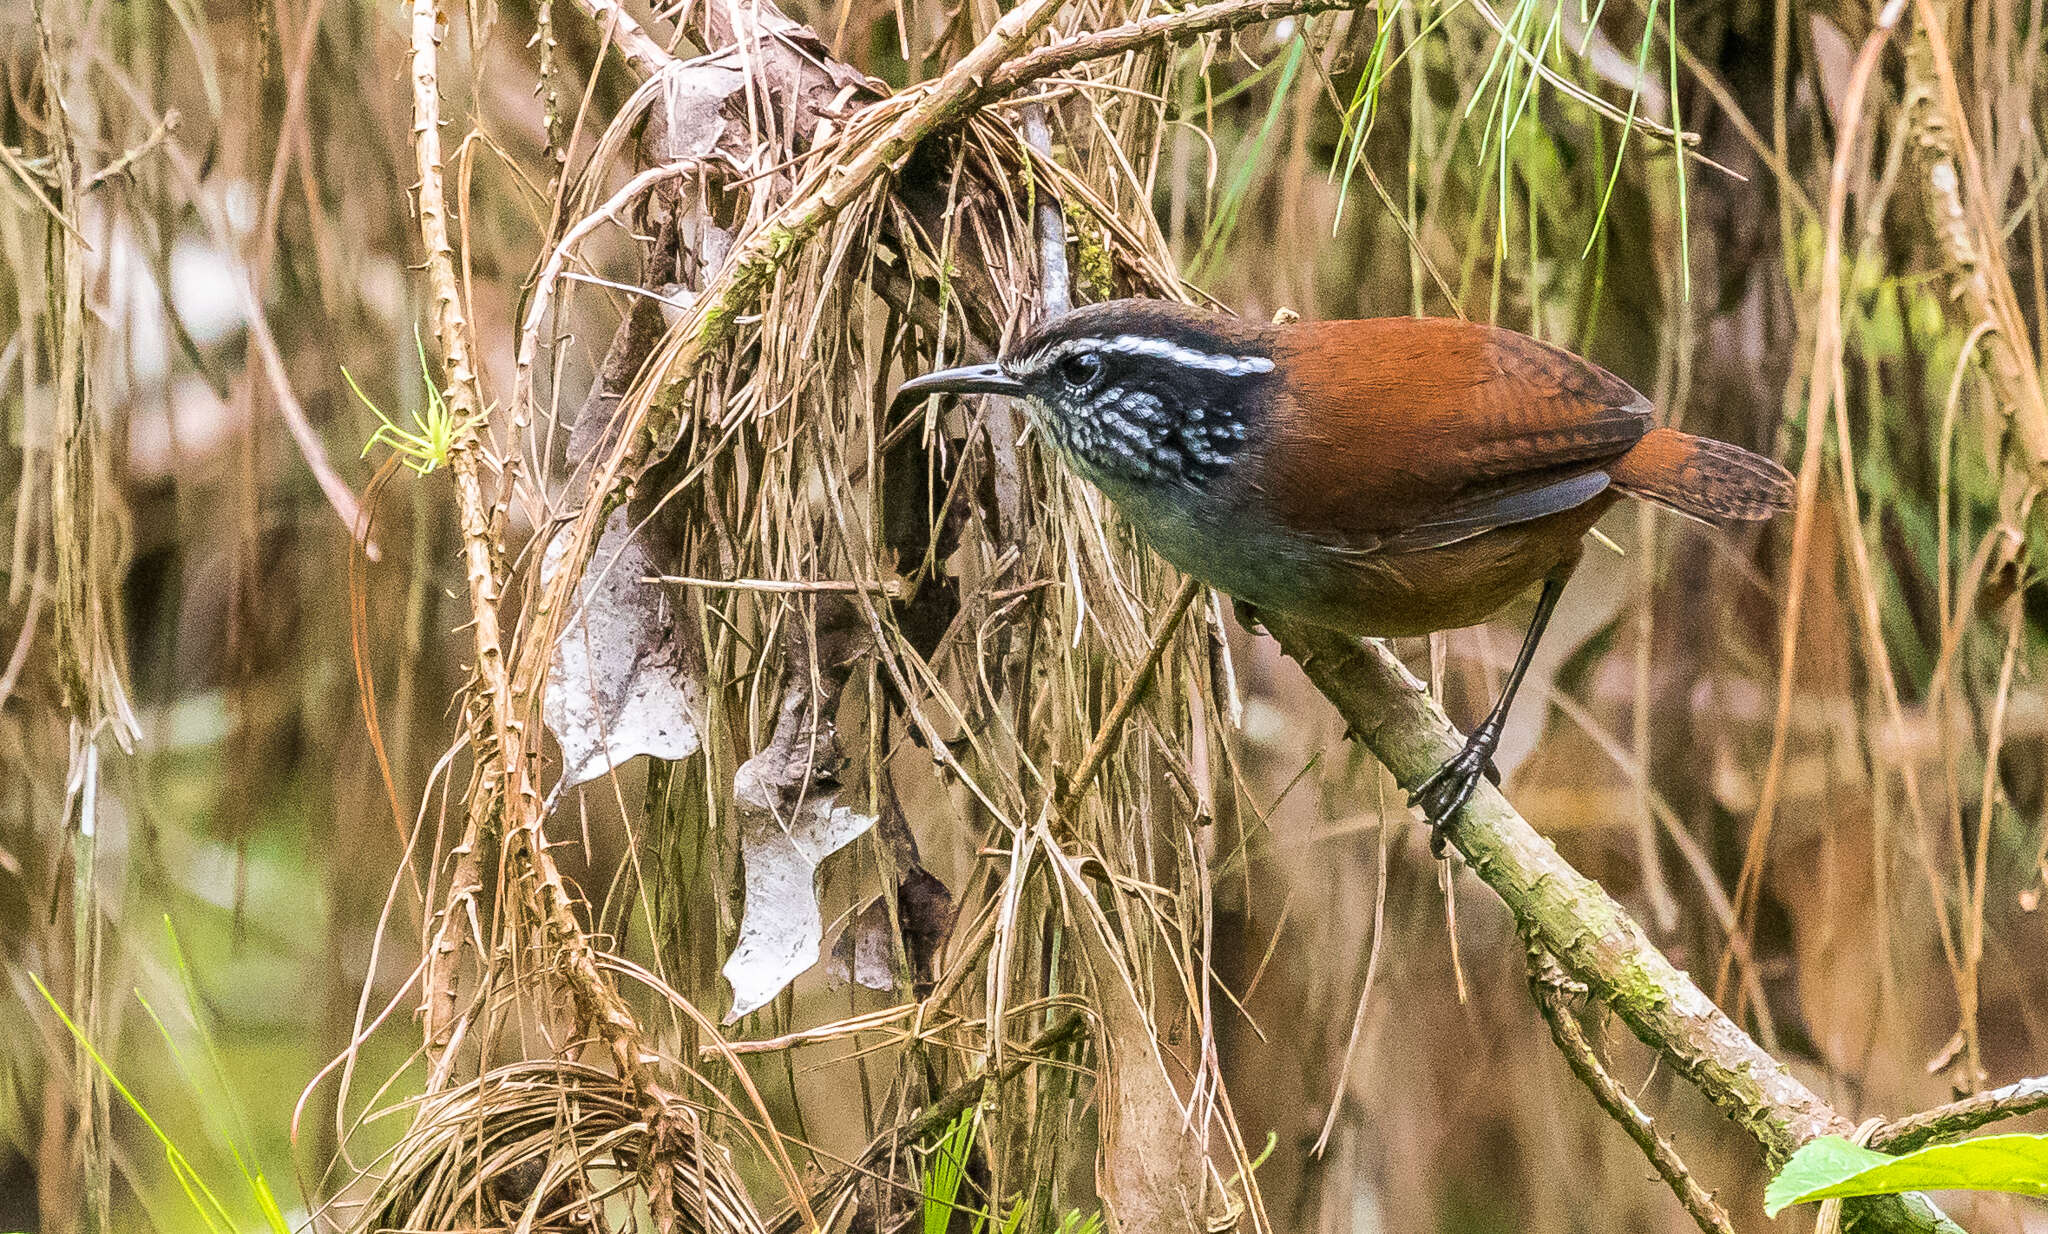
[[1569, 916]]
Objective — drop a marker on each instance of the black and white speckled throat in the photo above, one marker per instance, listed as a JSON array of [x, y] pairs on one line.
[[1137, 436]]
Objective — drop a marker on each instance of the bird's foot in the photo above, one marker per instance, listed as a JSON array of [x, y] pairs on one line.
[[1247, 616], [1443, 794]]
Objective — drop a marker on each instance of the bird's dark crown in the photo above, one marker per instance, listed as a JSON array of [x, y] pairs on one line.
[[1145, 392]]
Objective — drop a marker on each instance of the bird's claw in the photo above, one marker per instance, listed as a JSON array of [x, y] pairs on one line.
[[1443, 794]]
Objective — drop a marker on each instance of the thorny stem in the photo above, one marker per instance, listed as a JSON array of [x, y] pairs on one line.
[[1553, 998], [1572, 918], [479, 558], [502, 757]]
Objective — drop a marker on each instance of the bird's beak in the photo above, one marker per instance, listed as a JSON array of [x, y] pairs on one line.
[[969, 379]]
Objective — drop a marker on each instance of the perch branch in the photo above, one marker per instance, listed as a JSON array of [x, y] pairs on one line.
[[1946, 1122], [1571, 917], [1553, 991]]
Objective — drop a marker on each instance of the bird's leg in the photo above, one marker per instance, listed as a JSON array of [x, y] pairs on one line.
[[1443, 794]]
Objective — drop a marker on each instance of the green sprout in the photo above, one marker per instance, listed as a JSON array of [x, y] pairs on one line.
[[426, 445]]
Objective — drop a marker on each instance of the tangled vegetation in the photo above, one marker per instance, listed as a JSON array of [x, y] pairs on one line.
[[607, 774]]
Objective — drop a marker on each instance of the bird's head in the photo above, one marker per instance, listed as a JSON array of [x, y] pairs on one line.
[[1133, 391]]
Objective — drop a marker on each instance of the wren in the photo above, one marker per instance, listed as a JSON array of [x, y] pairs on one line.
[[1388, 477]]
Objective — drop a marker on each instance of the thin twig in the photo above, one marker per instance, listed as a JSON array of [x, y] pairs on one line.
[[558, 260], [166, 125], [1946, 1122], [1113, 723], [643, 53], [888, 588], [1171, 27], [1553, 991]]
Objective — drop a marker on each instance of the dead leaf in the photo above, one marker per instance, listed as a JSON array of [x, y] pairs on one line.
[[861, 956], [623, 684], [790, 817], [866, 948], [780, 928]]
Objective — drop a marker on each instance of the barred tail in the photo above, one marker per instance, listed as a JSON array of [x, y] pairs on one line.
[[1702, 478]]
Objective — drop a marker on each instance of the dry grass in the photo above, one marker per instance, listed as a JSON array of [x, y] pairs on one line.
[[1832, 775]]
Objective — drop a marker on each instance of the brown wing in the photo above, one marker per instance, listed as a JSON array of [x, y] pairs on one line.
[[1402, 433]]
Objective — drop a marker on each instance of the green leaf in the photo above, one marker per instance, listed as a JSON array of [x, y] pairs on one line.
[[1831, 1168]]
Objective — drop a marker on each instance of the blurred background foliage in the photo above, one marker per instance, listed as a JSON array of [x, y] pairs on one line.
[[182, 729]]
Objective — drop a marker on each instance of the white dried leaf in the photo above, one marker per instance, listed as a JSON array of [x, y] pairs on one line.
[[780, 925], [790, 818], [620, 685]]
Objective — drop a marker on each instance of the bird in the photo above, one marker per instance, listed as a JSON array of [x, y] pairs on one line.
[[1385, 478]]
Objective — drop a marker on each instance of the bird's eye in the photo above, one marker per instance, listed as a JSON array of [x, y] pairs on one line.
[[1081, 370]]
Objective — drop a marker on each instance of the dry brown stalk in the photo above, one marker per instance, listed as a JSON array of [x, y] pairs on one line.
[[1959, 206]]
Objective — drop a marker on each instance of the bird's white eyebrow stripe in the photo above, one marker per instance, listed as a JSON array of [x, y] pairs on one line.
[[1142, 345]]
